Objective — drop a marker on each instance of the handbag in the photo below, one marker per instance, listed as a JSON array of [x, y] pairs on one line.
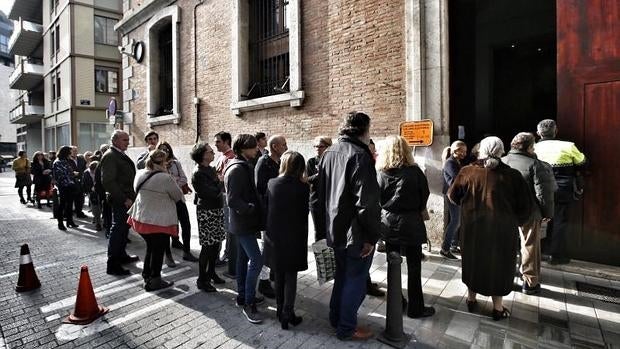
[[185, 188], [325, 261]]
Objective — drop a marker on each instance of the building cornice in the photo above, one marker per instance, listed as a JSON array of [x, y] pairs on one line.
[[133, 18]]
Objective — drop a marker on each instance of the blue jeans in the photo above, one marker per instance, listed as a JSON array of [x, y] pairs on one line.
[[247, 275], [349, 289], [451, 236], [118, 235]]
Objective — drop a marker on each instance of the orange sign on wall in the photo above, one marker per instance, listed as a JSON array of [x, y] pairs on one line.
[[417, 133]]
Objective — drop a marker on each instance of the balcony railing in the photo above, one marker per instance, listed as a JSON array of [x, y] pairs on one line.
[[26, 38], [29, 10], [27, 75], [24, 113]]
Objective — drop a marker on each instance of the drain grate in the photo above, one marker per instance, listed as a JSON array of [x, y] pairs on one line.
[[601, 293]]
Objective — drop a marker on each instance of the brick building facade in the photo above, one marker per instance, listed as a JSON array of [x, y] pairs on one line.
[[344, 55]]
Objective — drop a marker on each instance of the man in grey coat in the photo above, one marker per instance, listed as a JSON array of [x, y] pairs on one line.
[[117, 175], [542, 186]]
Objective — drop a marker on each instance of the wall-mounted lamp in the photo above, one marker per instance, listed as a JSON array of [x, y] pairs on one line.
[[134, 49]]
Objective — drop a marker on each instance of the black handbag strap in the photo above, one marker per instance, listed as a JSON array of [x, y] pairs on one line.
[[144, 181]]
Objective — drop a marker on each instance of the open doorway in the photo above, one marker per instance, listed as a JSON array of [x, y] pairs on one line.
[[502, 67]]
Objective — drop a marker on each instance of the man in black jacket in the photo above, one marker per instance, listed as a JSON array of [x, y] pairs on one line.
[[349, 206], [245, 223]]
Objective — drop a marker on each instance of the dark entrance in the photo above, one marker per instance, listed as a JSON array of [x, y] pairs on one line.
[[502, 67], [513, 63]]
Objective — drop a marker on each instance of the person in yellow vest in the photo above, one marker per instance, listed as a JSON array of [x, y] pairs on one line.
[[567, 162], [21, 166]]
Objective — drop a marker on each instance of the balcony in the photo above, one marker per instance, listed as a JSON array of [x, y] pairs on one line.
[[27, 75], [26, 38], [25, 113], [29, 10]]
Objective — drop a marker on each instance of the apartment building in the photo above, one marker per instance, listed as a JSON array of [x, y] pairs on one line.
[[8, 136], [27, 78], [70, 73]]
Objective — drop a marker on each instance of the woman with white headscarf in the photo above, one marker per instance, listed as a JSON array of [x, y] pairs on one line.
[[493, 206]]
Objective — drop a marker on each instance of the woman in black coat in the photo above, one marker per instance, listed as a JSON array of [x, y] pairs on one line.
[[286, 243], [209, 203], [404, 193]]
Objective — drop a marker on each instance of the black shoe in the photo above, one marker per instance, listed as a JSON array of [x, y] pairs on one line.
[[293, 320], [455, 250], [80, 215], [128, 241], [188, 256], [61, 226], [72, 225], [220, 262], [22, 201], [472, 306], [530, 290], [217, 280], [205, 286], [177, 244], [381, 246], [447, 255], [230, 276], [264, 287], [500, 314], [252, 314], [130, 259], [117, 271], [98, 227], [374, 290], [157, 283], [39, 206], [426, 312]]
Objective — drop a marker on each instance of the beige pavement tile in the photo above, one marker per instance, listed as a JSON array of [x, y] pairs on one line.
[[586, 334]]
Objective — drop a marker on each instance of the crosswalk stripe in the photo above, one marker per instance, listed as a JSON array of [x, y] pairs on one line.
[[68, 332], [107, 289]]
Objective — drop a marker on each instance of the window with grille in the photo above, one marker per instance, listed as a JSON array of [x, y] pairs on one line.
[[269, 48], [165, 71]]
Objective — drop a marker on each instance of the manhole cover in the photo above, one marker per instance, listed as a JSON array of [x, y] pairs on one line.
[[601, 293]]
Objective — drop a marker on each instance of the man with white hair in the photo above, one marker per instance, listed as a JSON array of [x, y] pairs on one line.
[[567, 162], [268, 167], [117, 175]]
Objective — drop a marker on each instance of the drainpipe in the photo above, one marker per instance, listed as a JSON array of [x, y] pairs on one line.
[[196, 99]]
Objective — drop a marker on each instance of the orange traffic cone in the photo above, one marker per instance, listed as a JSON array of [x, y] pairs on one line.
[[28, 279], [86, 308]]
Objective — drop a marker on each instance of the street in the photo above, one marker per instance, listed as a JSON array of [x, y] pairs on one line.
[[185, 317]]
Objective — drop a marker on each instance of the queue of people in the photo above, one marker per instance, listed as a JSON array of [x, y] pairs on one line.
[[258, 194]]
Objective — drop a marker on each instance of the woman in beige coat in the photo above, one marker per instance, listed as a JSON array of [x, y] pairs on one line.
[[154, 215]]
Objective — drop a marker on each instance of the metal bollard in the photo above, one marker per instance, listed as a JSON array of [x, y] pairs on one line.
[[393, 334]]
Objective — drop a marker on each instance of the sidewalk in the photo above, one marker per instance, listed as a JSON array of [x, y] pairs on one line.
[[185, 317]]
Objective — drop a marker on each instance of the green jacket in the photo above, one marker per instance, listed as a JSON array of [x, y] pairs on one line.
[[117, 175]]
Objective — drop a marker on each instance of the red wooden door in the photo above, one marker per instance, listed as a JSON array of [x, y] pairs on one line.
[[588, 73]]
